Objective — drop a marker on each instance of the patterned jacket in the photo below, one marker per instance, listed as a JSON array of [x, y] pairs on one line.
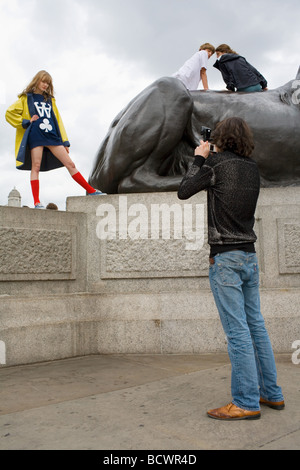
[[232, 183]]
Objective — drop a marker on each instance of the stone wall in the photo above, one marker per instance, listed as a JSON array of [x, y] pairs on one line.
[[129, 274]]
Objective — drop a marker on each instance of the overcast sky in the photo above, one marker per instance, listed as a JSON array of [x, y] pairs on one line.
[[102, 53]]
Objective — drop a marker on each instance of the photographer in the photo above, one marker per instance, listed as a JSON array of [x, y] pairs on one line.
[[232, 181]]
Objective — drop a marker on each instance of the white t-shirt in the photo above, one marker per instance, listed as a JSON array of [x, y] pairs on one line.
[[189, 73]]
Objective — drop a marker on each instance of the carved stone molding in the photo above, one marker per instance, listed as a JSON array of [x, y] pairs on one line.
[[152, 258], [288, 245], [30, 254]]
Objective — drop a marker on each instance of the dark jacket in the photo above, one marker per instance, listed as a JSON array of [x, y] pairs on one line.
[[238, 73], [232, 184]]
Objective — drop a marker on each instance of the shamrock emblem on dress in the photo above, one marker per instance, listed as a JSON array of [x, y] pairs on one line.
[[46, 126]]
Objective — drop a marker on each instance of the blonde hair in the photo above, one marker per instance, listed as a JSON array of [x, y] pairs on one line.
[[225, 49], [207, 46], [42, 75]]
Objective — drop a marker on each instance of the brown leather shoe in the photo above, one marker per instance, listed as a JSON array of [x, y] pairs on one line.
[[232, 412], [276, 405]]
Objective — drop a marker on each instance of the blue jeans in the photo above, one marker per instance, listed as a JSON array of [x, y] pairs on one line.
[[250, 89], [234, 280]]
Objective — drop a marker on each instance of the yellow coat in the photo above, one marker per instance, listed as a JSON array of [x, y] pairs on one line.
[[19, 115]]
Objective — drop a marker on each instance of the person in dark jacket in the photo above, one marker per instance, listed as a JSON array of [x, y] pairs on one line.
[[237, 73], [232, 181]]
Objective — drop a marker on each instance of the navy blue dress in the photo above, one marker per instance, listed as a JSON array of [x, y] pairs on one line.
[[43, 131]]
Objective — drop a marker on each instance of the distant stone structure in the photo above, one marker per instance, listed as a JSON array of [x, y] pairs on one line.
[[14, 198]]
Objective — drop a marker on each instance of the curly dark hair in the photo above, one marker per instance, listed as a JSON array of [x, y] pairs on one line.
[[234, 134]]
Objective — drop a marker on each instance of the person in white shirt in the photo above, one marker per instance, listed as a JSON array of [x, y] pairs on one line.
[[194, 69]]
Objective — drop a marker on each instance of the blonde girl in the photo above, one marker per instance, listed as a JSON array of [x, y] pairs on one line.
[[41, 140]]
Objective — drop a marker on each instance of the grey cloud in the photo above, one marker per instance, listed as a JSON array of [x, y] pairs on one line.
[[161, 34]]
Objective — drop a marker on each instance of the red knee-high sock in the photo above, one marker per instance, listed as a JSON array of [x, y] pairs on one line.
[[35, 188], [80, 180]]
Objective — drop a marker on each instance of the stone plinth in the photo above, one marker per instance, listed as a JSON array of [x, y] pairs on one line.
[[129, 274]]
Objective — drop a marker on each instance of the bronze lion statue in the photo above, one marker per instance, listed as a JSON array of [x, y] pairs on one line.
[[150, 144]]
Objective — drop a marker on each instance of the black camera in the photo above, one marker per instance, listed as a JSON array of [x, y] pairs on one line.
[[206, 133]]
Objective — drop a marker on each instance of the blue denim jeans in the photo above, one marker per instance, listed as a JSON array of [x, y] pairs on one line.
[[234, 280], [250, 89]]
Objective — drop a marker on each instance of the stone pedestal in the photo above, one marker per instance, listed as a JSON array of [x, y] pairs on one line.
[[129, 274]]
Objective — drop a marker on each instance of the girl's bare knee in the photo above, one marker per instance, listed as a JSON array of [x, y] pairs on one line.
[[35, 168]]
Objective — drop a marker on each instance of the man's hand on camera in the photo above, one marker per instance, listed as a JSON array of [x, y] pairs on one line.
[[202, 150]]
